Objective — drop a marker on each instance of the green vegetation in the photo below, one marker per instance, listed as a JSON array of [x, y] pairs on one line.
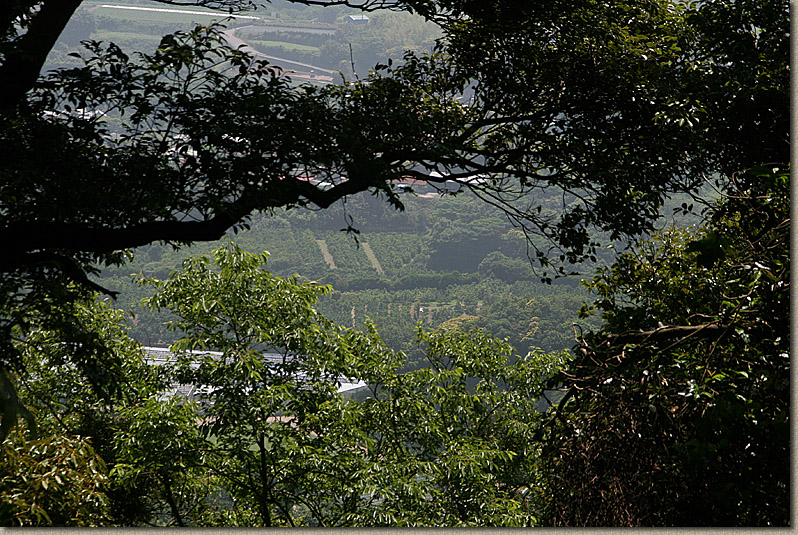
[[55, 480], [418, 283], [566, 129], [274, 443], [688, 379], [387, 35]]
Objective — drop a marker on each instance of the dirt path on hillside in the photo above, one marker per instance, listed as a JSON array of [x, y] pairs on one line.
[[325, 252], [372, 258]]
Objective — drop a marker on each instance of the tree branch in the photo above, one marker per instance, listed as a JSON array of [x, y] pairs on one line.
[[68, 266], [23, 64], [21, 240], [44, 235], [708, 330]]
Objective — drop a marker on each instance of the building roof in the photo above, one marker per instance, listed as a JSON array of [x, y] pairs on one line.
[[159, 356]]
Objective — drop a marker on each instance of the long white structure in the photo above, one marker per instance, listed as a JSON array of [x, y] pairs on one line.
[[180, 11], [158, 356]]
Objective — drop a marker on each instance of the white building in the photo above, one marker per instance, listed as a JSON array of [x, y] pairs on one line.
[[357, 19]]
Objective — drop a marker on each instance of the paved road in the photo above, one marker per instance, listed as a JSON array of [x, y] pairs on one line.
[[182, 11], [296, 69]]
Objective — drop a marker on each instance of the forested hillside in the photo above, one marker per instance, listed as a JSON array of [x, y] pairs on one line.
[[445, 259], [418, 263]]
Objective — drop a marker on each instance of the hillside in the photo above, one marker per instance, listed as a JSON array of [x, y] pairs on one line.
[[444, 259]]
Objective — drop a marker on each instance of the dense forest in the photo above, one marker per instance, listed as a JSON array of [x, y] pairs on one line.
[[547, 242]]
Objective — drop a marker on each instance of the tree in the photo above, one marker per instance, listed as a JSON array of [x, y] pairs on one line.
[[448, 445], [602, 108], [265, 436], [621, 103], [141, 449], [457, 438], [167, 176], [158, 456], [512, 318], [688, 380], [614, 105]]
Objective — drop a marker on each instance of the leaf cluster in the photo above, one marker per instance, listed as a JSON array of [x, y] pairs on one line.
[[688, 379]]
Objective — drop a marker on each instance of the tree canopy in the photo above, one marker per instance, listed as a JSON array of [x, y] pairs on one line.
[[267, 439], [614, 105], [688, 379]]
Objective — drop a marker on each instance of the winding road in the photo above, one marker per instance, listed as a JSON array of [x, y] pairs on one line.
[[302, 71], [296, 69]]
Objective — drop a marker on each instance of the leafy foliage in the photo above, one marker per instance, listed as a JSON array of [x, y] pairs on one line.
[[131, 136], [614, 105], [51, 480], [688, 381], [261, 415], [460, 446], [68, 404], [447, 445], [158, 451]]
